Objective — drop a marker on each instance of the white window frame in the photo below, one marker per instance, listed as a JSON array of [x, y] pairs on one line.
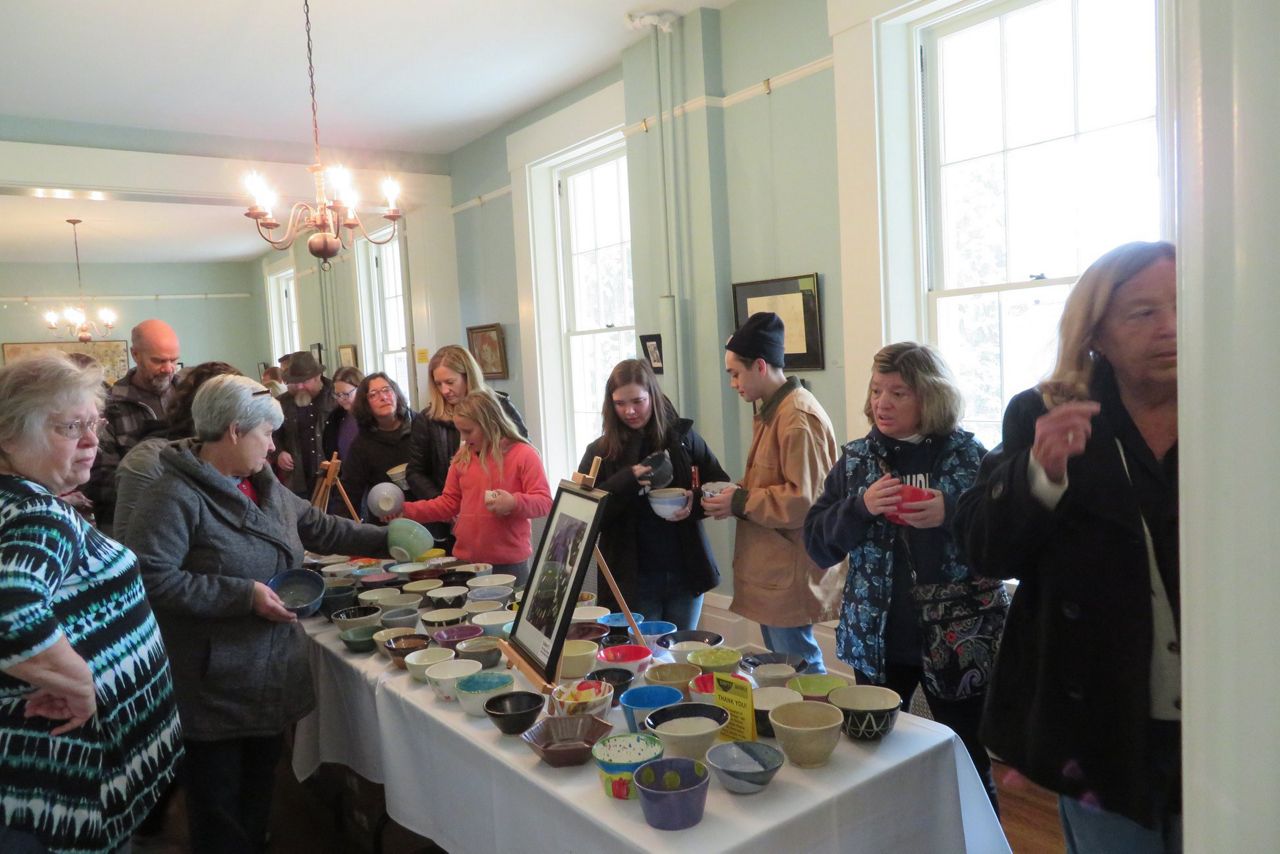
[[281, 280], [370, 288]]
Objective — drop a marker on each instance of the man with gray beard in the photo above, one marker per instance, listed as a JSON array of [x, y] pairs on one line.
[[137, 405], [300, 440]]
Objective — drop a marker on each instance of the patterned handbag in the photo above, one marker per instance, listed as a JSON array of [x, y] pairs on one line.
[[961, 623]]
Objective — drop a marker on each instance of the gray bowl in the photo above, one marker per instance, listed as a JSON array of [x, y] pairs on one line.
[[400, 618], [744, 767]]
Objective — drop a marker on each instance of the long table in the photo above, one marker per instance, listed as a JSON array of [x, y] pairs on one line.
[[455, 779]]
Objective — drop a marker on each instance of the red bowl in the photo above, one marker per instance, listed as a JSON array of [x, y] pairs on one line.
[[909, 495], [633, 657], [706, 683]]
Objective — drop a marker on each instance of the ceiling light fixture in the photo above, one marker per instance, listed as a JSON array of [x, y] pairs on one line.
[[327, 217], [76, 317]]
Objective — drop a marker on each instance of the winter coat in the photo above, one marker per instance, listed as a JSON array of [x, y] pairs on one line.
[[372, 453], [618, 522], [201, 545], [302, 478], [1069, 701], [129, 416], [434, 444], [957, 659], [792, 449]]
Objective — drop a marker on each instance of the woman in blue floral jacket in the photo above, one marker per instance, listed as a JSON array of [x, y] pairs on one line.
[[913, 613]]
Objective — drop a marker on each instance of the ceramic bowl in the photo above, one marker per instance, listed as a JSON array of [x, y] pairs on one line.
[[673, 792], [399, 647], [589, 613], [452, 578], [431, 573], [423, 587], [677, 676], [617, 623], [702, 688], [361, 615], [744, 767], [360, 572], [406, 539], [515, 711], [715, 487], [326, 560], [639, 702], [752, 660], [475, 690], [870, 711], [473, 608], [482, 649], [667, 502], [338, 601], [443, 676], [475, 569], [718, 659], [632, 656], [376, 595], [577, 657], [687, 729], [374, 580], [668, 641], [807, 731], [681, 650], [774, 675], [380, 638], [586, 597], [400, 600], [563, 741], [337, 570], [385, 499], [502, 579], [449, 636], [442, 617], [447, 597], [301, 590], [499, 594], [396, 617], [584, 697], [406, 570], [359, 639], [492, 622], [816, 686], [399, 474], [651, 630], [418, 661], [619, 677], [335, 585], [587, 631], [618, 756], [768, 699]]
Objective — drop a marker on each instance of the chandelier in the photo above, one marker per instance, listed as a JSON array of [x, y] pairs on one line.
[[327, 216], [76, 317]]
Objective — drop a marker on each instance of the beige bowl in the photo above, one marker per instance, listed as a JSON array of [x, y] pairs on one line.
[[483, 606], [501, 579], [773, 675], [577, 657], [377, 595], [807, 731], [675, 675], [422, 588], [401, 600], [380, 639], [419, 660]]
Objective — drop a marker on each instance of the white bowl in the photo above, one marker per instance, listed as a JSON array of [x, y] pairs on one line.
[[443, 676], [475, 568], [377, 595], [715, 487], [589, 613], [484, 606], [680, 650], [406, 568], [667, 502], [421, 660], [492, 622], [577, 658], [500, 579], [385, 499]]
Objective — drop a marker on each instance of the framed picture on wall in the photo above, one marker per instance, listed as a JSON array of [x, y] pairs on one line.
[[559, 566], [112, 355], [651, 349], [347, 356], [795, 300], [489, 346]]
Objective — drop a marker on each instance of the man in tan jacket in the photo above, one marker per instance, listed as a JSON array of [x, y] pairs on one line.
[[792, 449]]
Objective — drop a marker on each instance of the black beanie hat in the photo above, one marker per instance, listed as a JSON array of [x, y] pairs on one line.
[[761, 337]]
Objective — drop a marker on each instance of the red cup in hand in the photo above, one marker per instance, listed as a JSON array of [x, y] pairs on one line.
[[908, 495]]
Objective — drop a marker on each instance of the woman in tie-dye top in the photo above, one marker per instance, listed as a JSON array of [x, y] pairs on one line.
[[89, 734]]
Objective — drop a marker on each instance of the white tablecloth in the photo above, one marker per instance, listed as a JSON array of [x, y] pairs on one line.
[[457, 780]]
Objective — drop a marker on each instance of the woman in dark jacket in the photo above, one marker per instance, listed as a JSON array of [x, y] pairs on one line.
[[341, 429], [386, 427], [904, 562], [662, 566], [454, 373], [1079, 503]]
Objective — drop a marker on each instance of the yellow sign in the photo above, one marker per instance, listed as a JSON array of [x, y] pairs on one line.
[[734, 695], [423, 355]]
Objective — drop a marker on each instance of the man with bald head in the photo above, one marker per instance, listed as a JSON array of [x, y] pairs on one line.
[[137, 406]]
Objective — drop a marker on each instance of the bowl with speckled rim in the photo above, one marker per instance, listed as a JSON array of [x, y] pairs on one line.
[[618, 756]]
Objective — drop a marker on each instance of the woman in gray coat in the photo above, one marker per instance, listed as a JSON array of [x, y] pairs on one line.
[[215, 526]]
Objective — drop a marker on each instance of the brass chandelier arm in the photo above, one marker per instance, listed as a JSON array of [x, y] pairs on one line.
[[296, 214]]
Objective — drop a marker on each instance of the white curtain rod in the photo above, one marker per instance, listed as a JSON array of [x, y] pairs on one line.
[[121, 298]]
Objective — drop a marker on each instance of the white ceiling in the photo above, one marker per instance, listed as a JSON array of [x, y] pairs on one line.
[[418, 76]]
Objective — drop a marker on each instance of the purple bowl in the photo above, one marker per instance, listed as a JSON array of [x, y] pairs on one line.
[[450, 636], [673, 792]]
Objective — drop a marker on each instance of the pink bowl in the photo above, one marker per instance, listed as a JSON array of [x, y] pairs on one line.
[[450, 636], [631, 656]]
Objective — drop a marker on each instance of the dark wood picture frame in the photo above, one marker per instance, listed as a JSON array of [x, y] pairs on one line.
[[794, 297], [651, 351], [489, 345], [559, 567], [347, 356]]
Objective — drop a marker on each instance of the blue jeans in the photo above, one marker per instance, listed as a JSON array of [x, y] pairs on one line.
[[683, 609], [1090, 830], [519, 570], [797, 640]]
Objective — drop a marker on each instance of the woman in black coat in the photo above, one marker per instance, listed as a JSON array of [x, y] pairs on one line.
[[660, 575], [386, 425], [1079, 503]]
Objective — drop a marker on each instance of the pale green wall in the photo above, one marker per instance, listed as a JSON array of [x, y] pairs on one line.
[[231, 330]]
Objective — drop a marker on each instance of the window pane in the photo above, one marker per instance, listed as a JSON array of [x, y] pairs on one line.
[[1042, 210], [1038, 73], [396, 366], [969, 340], [1029, 340], [395, 323], [973, 222], [591, 358], [608, 222], [1117, 61], [969, 71], [582, 212], [1119, 185]]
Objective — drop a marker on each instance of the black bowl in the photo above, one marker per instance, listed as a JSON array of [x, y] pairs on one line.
[[685, 710], [515, 711], [456, 579], [619, 677], [709, 638], [753, 660]]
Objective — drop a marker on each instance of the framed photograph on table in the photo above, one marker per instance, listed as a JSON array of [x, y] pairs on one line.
[[795, 300], [489, 346], [347, 356], [559, 566]]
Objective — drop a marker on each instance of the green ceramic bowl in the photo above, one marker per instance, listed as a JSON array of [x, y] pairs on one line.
[[718, 659], [360, 639]]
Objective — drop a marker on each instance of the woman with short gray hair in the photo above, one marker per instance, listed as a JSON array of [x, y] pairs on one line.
[[87, 717], [215, 527]]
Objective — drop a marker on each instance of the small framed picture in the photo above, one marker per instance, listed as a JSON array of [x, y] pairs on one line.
[[559, 568], [347, 356], [651, 347], [489, 346], [795, 299]]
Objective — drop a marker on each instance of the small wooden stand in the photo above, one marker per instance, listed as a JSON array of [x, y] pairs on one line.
[[527, 670], [320, 498]]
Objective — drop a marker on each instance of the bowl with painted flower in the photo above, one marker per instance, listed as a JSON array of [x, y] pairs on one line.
[[618, 757]]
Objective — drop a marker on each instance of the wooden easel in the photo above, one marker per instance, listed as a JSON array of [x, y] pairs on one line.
[[320, 498]]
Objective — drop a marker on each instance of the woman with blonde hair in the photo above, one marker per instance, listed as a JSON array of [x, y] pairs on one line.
[[1080, 503], [434, 440], [904, 562], [495, 485]]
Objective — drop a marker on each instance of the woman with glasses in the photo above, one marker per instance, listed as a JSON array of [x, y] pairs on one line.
[[386, 426], [87, 716], [341, 429]]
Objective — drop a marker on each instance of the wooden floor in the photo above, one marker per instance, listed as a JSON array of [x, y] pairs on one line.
[[1028, 813]]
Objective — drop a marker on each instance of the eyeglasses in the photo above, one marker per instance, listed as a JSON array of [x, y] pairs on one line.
[[385, 391], [345, 395], [78, 428]]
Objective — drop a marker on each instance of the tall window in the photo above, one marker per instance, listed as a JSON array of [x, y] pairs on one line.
[[1040, 153], [282, 309], [596, 290], [384, 304]]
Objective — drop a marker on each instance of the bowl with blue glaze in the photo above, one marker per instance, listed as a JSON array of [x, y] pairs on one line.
[[618, 757], [744, 767]]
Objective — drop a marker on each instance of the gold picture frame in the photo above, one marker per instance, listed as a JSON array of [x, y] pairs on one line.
[[488, 344]]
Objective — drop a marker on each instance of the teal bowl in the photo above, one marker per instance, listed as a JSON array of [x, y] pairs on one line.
[[359, 639], [406, 540]]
